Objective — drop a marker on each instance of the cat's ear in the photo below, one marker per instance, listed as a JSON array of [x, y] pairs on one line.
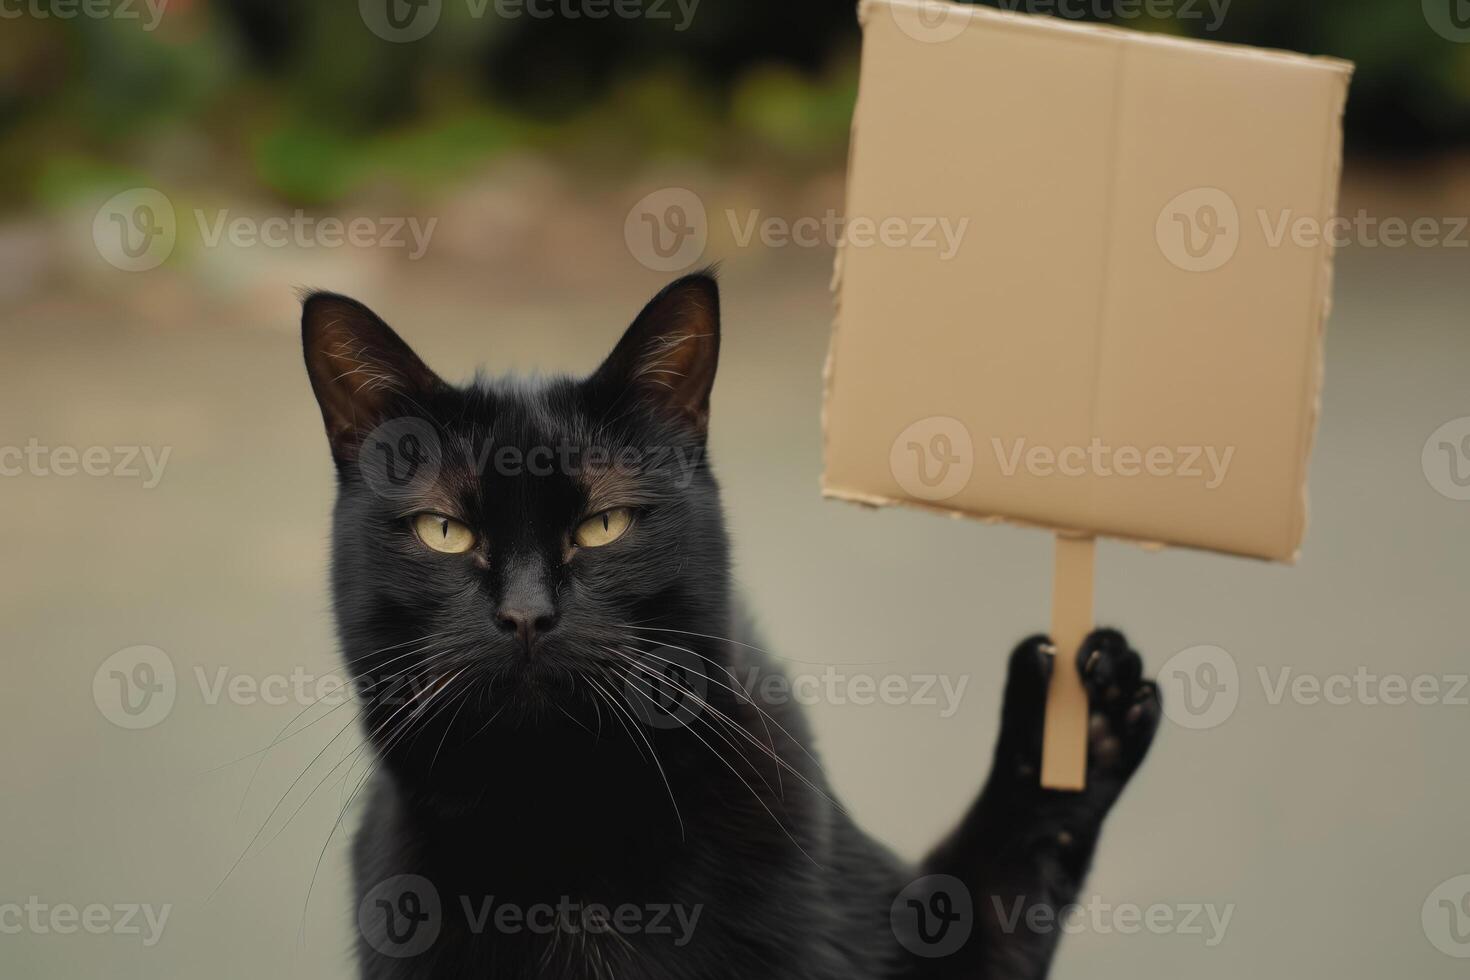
[[669, 355], [359, 368]]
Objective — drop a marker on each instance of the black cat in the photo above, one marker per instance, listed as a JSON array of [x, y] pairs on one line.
[[579, 776]]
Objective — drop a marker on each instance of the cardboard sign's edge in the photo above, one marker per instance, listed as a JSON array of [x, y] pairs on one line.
[[873, 501], [1316, 379], [829, 363], [1109, 32]]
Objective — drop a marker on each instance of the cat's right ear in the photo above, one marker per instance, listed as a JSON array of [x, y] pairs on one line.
[[360, 369]]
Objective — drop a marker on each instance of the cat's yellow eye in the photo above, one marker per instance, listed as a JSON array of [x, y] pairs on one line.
[[443, 533], [604, 528]]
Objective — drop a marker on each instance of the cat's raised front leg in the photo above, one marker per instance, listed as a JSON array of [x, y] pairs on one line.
[[1022, 852]]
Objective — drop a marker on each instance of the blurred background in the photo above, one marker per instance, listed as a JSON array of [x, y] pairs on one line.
[[476, 170]]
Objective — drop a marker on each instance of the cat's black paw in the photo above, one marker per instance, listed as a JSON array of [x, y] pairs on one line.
[[1124, 710], [1124, 706]]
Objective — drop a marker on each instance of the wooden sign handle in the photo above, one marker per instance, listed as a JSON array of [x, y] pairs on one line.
[[1064, 738]]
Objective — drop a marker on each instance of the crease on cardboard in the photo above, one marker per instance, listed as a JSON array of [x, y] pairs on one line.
[[875, 500], [1105, 283], [830, 364]]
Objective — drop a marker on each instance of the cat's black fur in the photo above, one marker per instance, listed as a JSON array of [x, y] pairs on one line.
[[540, 777]]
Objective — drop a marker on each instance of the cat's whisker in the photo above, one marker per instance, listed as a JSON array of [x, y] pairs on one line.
[[429, 694], [667, 785], [463, 700], [618, 716], [274, 809], [309, 766], [767, 750], [721, 758], [342, 812], [739, 691], [659, 678], [751, 646], [302, 805], [281, 735]]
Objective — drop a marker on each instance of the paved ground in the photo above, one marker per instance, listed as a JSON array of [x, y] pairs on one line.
[[1322, 828]]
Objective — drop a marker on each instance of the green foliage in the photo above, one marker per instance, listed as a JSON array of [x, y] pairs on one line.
[[303, 102]]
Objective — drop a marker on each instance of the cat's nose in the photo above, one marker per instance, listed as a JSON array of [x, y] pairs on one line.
[[529, 624]]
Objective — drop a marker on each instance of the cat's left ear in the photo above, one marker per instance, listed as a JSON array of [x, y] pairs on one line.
[[669, 355], [361, 371]]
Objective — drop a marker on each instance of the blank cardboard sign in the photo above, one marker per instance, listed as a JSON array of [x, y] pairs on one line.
[[1083, 286]]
